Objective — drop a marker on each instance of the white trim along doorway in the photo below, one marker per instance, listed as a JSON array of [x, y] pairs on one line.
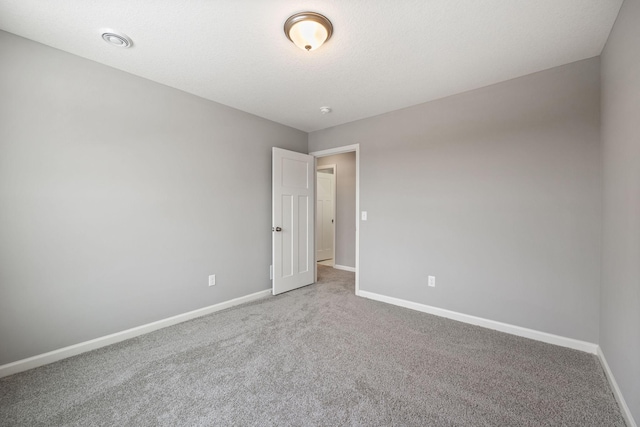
[[340, 150]]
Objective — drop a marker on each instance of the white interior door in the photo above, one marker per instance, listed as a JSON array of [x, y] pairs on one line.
[[325, 215], [292, 220]]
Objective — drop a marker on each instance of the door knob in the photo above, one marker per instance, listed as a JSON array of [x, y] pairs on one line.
[[276, 229]]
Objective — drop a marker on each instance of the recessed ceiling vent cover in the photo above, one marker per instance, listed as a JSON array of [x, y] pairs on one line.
[[117, 39]]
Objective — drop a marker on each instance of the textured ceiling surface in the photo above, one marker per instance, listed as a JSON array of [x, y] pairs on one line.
[[384, 55]]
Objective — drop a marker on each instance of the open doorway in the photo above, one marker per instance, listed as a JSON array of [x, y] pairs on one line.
[[337, 227], [326, 210]]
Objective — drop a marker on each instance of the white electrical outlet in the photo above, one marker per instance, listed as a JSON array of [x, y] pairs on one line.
[[364, 215], [432, 281], [212, 280]]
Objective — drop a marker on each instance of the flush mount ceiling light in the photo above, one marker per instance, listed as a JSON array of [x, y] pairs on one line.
[[308, 30], [116, 39]]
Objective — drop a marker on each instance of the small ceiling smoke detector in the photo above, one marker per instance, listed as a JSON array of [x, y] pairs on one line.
[[116, 39], [325, 110]]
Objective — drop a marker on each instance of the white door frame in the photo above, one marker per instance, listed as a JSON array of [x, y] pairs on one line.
[[333, 168], [340, 150]]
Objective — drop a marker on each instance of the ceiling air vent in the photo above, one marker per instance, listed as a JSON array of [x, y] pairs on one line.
[[119, 40]]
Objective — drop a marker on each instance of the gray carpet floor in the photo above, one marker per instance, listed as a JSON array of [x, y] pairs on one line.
[[316, 356]]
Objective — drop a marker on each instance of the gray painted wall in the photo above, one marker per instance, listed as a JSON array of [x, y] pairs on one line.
[[118, 197], [620, 309], [496, 192], [345, 206]]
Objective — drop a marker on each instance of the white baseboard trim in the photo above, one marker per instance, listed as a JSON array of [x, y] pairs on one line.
[[344, 267], [72, 350], [626, 412], [486, 323]]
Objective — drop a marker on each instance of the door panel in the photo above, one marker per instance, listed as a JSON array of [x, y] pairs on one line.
[[287, 226], [303, 234], [292, 216], [325, 200]]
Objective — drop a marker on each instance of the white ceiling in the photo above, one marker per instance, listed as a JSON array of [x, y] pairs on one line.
[[384, 55]]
